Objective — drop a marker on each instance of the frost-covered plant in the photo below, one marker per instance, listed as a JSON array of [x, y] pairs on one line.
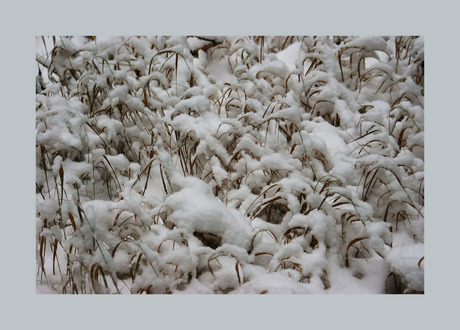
[[230, 164]]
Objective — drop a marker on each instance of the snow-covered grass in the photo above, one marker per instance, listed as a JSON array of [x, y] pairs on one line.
[[230, 164]]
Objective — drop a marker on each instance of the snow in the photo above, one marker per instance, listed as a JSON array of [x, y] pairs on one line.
[[220, 70], [160, 169], [196, 209], [290, 55]]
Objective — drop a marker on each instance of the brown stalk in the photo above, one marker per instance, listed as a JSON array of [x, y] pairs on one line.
[[420, 262], [72, 220], [347, 262]]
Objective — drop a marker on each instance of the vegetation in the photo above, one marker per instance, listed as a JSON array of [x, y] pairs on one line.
[[199, 164]]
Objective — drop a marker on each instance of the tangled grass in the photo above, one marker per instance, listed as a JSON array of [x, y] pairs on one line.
[[215, 165]]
